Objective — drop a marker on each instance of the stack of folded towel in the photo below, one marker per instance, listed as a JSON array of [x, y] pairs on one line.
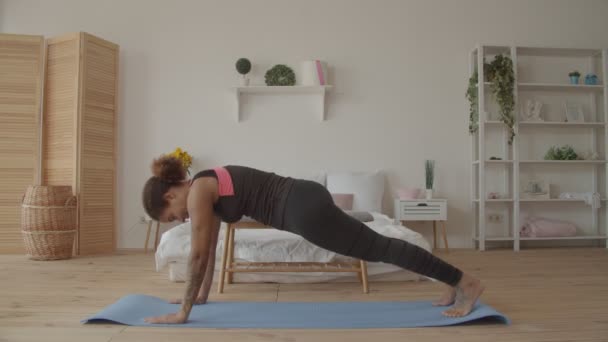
[[545, 227]]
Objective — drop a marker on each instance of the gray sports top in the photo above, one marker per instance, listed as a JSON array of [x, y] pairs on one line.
[[258, 194]]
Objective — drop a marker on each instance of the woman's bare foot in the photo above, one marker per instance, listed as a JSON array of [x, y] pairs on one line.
[[447, 298], [468, 291]]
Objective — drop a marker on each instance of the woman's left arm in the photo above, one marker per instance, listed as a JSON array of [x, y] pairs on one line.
[[200, 207], [203, 294]]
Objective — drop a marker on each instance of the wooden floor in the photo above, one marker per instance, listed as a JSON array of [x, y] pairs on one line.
[[550, 295]]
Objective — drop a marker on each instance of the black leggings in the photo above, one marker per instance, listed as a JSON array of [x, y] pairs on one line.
[[311, 213]]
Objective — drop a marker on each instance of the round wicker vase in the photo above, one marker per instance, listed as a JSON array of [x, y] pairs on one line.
[[48, 222]]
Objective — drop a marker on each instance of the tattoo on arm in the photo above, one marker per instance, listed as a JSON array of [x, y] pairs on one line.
[[193, 283], [210, 270], [200, 205]]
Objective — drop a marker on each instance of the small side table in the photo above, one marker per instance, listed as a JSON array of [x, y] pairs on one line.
[[424, 210]]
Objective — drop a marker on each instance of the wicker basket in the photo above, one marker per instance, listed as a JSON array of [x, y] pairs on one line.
[[48, 222]]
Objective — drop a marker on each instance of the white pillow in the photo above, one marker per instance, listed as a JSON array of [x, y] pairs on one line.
[[367, 188]]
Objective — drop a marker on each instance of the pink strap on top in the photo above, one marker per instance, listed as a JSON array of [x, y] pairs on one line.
[[225, 181]]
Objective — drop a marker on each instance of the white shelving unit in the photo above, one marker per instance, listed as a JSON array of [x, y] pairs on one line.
[[319, 91], [530, 83]]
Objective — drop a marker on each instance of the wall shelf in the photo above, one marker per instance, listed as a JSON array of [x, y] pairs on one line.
[[579, 237], [282, 90], [542, 161], [561, 124], [552, 200], [496, 200], [557, 52], [559, 87], [495, 238], [562, 162], [494, 161], [550, 124]]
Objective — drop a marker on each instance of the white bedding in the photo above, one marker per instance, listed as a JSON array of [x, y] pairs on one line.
[[268, 245]]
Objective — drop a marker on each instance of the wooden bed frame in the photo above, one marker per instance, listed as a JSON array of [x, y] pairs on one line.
[[229, 266]]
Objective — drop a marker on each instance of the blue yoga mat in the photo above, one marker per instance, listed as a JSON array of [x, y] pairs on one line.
[[132, 310]]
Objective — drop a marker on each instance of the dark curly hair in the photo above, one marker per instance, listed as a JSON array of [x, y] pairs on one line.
[[168, 171]]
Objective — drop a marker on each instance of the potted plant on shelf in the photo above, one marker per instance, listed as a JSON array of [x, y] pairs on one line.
[[502, 87], [429, 168], [502, 82], [574, 75], [280, 75], [243, 66], [591, 79], [565, 152]]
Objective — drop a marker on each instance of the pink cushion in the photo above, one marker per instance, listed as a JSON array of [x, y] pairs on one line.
[[343, 201]]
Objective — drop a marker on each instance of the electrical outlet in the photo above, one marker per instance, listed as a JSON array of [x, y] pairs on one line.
[[495, 218]]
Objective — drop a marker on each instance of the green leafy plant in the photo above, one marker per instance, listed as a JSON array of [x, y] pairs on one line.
[[565, 152], [243, 66], [503, 85], [488, 71], [473, 103], [280, 75], [574, 73], [500, 73], [429, 172], [471, 95]]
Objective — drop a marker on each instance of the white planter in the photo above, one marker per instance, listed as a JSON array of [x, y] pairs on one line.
[[244, 81], [429, 194]]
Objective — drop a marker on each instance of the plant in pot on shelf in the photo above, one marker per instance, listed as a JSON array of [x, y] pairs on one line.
[[574, 75], [565, 152], [473, 104], [429, 173], [243, 67], [591, 79], [280, 75], [503, 86], [500, 73]]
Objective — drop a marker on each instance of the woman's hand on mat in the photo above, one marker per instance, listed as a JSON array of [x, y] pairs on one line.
[[197, 301], [174, 318]]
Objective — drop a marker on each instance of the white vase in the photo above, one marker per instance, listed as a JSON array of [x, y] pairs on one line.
[[429, 194], [244, 81]]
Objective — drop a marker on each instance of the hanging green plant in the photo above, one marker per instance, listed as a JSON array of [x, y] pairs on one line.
[[500, 73], [474, 107], [280, 75], [503, 85]]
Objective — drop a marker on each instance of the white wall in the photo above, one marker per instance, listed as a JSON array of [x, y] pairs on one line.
[[400, 70]]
